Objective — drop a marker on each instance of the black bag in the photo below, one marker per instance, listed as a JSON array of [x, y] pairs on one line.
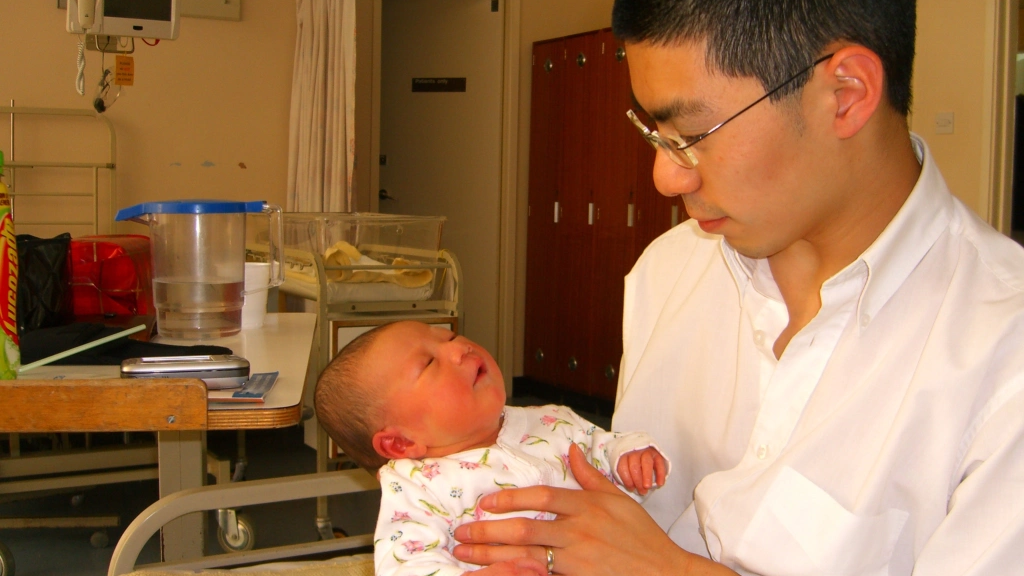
[[44, 282], [49, 341]]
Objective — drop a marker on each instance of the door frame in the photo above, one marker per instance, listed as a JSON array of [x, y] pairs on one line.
[[999, 107]]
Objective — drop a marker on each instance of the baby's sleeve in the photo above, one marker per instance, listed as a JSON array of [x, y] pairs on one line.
[[604, 449], [414, 528]]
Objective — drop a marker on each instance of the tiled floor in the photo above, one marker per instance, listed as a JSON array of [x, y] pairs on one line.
[[271, 453]]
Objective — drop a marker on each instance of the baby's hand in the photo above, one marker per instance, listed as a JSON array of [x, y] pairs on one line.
[[635, 469], [517, 567]]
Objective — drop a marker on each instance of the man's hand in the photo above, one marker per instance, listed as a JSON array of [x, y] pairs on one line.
[[640, 470], [517, 567], [598, 531]]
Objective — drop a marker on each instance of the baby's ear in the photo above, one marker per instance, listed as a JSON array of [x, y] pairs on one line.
[[390, 443]]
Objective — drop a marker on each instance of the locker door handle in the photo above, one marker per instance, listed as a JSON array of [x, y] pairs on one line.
[[590, 214], [630, 213], [675, 216], [558, 210]]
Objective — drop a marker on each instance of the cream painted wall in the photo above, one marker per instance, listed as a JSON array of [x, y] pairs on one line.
[[201, 107], [540, 20], [955, 44]]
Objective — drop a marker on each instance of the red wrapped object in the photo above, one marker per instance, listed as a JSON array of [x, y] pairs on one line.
[[111, 275]]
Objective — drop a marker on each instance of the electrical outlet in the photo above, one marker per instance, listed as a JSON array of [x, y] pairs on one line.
[[109, 44], [944, 123]]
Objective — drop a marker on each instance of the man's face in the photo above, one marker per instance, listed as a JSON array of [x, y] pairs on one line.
[[761, 180], [441, 390]]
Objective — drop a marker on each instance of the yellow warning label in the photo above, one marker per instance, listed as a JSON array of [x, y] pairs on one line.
[[124, 71]]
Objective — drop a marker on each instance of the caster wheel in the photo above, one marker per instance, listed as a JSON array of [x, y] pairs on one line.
[[6, 561], [77, 500], [244, 540], [340, 533], [99, 539]]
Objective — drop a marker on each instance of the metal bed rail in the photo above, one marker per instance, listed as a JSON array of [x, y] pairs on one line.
[[110, 165]]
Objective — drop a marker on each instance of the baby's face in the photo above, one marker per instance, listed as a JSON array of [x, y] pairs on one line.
[[441, 388]]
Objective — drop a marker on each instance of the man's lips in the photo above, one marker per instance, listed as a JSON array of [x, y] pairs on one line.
[[710, 226]]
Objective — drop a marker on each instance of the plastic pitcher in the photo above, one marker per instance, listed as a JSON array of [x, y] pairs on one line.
[[199, 262]]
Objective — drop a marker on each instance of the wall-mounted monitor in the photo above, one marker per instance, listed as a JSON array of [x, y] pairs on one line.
[[136, 18]]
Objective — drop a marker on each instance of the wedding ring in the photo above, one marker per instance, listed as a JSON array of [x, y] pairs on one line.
[[551, 560]]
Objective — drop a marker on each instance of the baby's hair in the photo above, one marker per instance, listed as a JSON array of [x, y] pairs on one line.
[[347, 406]]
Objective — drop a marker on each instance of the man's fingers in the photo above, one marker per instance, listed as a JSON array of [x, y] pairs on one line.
[[659, 468], [514, 531], [590, 478], [647, 463], [486, 555]]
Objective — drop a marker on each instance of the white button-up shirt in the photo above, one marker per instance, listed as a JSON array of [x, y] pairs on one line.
[[889, 437]]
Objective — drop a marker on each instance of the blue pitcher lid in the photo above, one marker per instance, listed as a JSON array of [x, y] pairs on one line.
[[190, 207]]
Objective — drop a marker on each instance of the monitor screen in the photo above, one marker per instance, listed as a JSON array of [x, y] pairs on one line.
[[138, 10]]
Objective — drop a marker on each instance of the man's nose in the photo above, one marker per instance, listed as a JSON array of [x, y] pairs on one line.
[[671, 179]]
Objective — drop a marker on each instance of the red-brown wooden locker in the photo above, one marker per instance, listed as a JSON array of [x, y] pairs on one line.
[[541, 327], [615, 185], [573, 289]]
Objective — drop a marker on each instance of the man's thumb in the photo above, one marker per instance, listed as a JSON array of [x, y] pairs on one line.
[[590, 478]]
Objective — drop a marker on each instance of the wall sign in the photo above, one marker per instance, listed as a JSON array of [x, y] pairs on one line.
[[438, 84]]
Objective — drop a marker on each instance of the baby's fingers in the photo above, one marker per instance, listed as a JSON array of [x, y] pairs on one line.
[[660, 469], [647, 461], [625, 474]]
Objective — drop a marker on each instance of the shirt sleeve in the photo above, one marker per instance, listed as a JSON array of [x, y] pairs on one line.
[[414, 528], [983, 527]]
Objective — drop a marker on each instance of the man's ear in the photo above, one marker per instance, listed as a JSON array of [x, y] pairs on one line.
[[390, 443], [858, 80]]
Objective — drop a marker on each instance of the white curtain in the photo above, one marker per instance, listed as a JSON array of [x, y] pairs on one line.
[[321, 142]]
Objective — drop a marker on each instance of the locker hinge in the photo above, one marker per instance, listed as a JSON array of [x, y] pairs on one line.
[[630, 209], [558, 210], [590, 214]]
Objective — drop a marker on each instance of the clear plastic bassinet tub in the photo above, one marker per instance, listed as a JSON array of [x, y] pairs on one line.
[[363, 257]]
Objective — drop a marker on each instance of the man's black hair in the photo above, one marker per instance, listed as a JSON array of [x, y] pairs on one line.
[[770, 40]]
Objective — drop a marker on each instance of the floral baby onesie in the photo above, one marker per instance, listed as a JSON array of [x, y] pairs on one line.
[[423, 501]]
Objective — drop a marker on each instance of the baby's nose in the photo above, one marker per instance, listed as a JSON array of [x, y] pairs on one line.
[[459, 350]]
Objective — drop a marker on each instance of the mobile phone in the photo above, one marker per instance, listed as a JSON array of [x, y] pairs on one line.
[[219, 371]]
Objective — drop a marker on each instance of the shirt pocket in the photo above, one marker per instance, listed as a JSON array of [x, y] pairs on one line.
[[800, 529]]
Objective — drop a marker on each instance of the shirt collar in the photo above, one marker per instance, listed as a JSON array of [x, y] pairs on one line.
[[891, 257]]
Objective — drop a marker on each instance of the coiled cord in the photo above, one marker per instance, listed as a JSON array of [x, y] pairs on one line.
[[80, 80]]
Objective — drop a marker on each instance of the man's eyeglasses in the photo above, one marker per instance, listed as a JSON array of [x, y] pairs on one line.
[[678, 148]]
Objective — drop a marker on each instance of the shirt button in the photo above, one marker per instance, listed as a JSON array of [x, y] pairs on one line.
[[759, 337], [762, 451]]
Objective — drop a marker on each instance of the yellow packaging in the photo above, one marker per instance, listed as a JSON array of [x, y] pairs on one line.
[[10, 353]]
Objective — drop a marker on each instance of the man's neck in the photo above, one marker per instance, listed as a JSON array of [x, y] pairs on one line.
[[877, 193]]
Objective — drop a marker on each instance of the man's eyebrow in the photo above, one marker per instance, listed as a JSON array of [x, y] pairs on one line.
[[678, 108]]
